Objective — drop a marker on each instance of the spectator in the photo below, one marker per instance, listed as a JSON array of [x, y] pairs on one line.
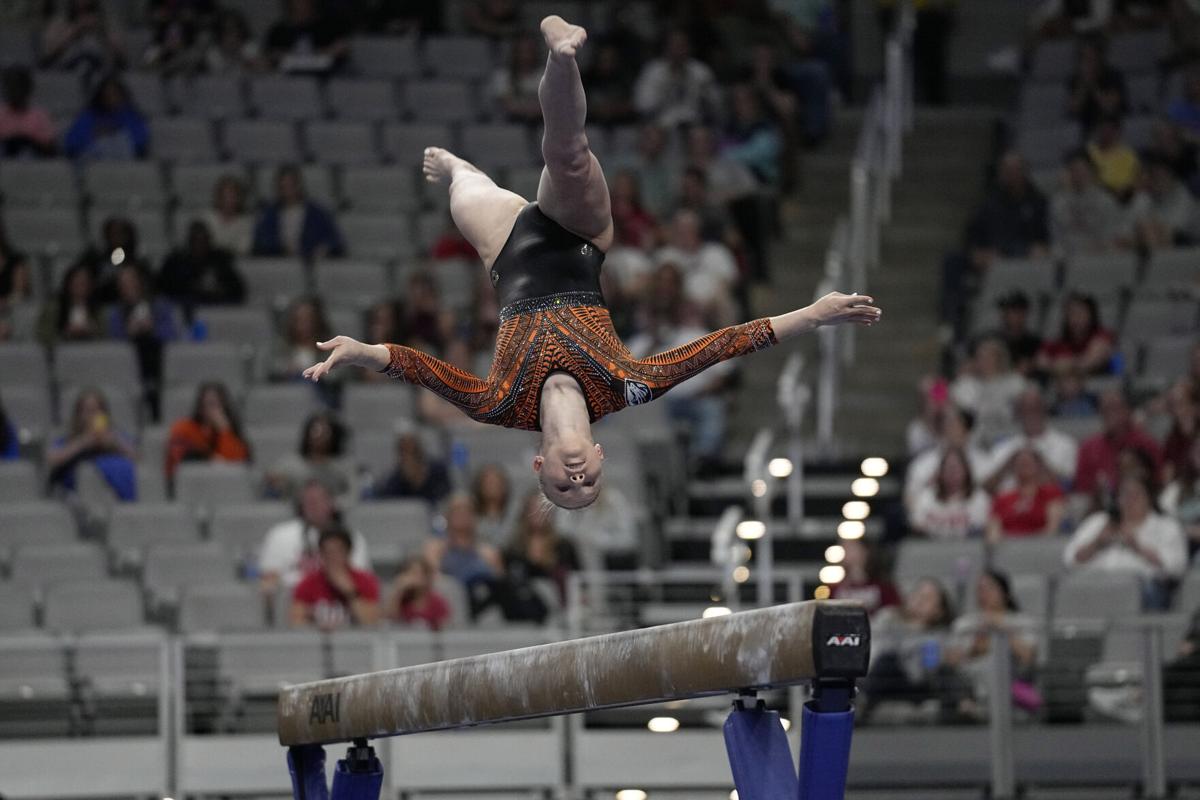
[[289, 550], [676, 89], [91, 438], [1057, 450], [604, 532], [415, 473], [460, 554], [633, 225], [657, 169], [403, 17], [1034, 506], [16, 276], [496, 506], [118, 247], [954, 434], [708, 269], [413, 599], [806, 73], [714, 219], [213, 432], [770, 85], [451, 244], [987, 389], [200, 274], [1163, 211], [969, 650], [609, 86], [1083, 344], [1168, 143], [1097, 473], [497, 19], [514, 87], [304, 325], [1023, 344], [110, 128], [293, 224], [179, 34], [231, 48], [305, 40], [1097, 90], [536, 553], [74, 315], [1060, 18], [321, 456], [10, 440], [1185, 420], [25, 129], [1084, 218], [1072, 398], [1184, 111], [1181, 498], [729, 180], [231, 226], [1116, 162], [383, 325], [1132, 538], [953, 507], [335, 594], [147, 323], [82, 37], [906, 647], [865, 580], [751, 139], [922, 432]]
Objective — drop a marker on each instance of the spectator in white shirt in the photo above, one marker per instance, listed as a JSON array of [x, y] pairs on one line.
[[955, 433], [677, 89], [953, 507], [1132, 539], [1056, 448], [1163, 211], [987, 389], [1084, 218], [230, 224], [709, 269]]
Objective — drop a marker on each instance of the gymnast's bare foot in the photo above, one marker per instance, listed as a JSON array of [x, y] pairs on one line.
[[439, 164], [562, 37]]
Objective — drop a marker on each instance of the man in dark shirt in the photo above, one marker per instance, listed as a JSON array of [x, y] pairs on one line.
[[307, 40], [1022, 343], [200, 274], [415, 474]]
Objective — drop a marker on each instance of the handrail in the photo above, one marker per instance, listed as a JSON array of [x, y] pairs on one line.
[[755, 472]]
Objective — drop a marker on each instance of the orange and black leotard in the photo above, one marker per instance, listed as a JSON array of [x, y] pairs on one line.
[[553, 319]]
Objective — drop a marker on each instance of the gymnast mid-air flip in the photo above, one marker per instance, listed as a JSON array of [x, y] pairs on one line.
[[559, 364]]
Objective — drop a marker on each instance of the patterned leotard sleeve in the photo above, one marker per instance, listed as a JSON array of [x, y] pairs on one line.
[[460, 387]]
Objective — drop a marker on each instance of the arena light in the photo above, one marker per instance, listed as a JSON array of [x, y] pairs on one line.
[[856, 510], [758, 487], [117, 256], [821, 592], [851, 529], [741, 574], [786, 723], [742, 553], [715, 611], [663, 725], [751, 529], [832, 573], [779, 467], [631, 794], [733, 795], [835, 553], [874, 467], [864, 487]]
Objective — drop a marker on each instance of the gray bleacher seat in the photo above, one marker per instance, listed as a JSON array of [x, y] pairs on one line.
[[126, 186], [1166, 358], [19, 483], [187, 363], [28, 407], [121, 678], [38, 184], [283, 405], [133, 527], [154, 237], [1032, 276], [460, 644], [148, 93], [1172, 269], [1078, 428], [48, 564], [1150, 318], [1138, 51], [17, 44], [25, 360], [171, 567], [378, 236], [236, 325], [1053, 61], [274, 281], [380, 405], [497, 145], [952, 561], [1101, 274], [341, 142], [430, 226], [213, 96], [178, 402], [523, 181], [487, 445], [33, 522], [381, 190], [1144, 93], [182, 140], [221, 607], [16, 609], [90, 605], [468, 57], [241, 527], [192, 184], [318, 183], [363, 99], [385, 56], [260, 664], [1029, 555], [35, 693], [440, 101], [352, 652], [205, 485], [124, 402], [1188, 599], [285, 97], [49, 231], [351, 284], [1138, 131], [1095, 595], [394, 529], [405, 143], [1043, 105], [1045, 147], [261, 141], [96, 363], [270, 443], [60, 93]]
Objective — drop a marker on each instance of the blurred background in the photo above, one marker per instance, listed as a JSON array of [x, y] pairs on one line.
[[1006, 472]]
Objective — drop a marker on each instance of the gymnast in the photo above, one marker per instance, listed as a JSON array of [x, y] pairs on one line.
[[558, 364]]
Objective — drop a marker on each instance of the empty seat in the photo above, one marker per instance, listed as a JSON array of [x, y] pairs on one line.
[[182, 140], [497, 145], [16, 609], [285, 97], [1144, 95], [394, 529], [1029, 555], [440, 101], [1091, 595], [188, 363], [1157, 318], [955, 561], [77, 606], [146, 89], [18, 483], [341, 142], [48, 564], [1053, 61], [468, 57], [241, 527], [263, 663], [221, 607], [121, 678], [1188, 600], [1139, 51], [261, 141], [34, 522], [1101, 274], [114, 185], [169, 568], [377, 236], [214, 96], [364, 100], [246, 327], [1172, 269], [1166, 358], [405, 143], [1045, 147], [35, 694], [460, 644], [381, 190], [351, 284], [280, 404], [207, 485], [37, 183], [96, 363], [28, 408], [352, 652], [192, 185], [383, 405], [133, 527], [270, 443], [48, 231], [60, 93], [1032, 276], [1078, 428], [385, 56], [494, 445], [17, 44], [274, 281], [24, 360], [1043, 105]]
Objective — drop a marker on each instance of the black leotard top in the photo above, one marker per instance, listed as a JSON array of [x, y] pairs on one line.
[[542, 258]]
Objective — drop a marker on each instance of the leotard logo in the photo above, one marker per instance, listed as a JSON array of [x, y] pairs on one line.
[[636, 393]]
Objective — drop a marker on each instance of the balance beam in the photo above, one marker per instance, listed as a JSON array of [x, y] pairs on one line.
[[760, 649]]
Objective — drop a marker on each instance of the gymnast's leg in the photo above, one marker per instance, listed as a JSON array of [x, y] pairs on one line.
[[572, 191], [483, 212]]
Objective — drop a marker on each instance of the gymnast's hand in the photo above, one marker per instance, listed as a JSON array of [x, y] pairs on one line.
[[344, 350], [837, 308]]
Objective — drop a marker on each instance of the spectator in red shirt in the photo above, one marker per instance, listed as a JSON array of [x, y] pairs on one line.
[[413, 599], [1034, 507], [1097, 472], [335, 594], [864, 581], [1083, 343]]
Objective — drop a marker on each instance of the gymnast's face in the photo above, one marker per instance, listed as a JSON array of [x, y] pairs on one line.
[[570, 473]]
